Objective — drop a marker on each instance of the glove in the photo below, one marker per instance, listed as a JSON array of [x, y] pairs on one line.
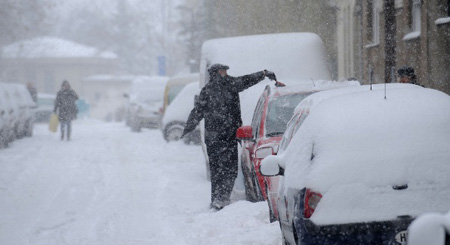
[[270, 75]]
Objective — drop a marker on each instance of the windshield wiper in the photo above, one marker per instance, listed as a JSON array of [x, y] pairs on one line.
[[274, 134]]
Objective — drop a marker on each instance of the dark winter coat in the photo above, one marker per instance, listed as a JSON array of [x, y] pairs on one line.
[[219, 105], [65, 104]]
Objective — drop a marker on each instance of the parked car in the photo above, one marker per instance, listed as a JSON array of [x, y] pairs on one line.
[[301, 112], [177, 113], [10, 115], [274, 109], [359, 166], [46, 104], [144, 101], [26, 109], [17, 112]]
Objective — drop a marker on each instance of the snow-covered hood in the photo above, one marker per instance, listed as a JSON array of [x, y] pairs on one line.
[[362, 145]]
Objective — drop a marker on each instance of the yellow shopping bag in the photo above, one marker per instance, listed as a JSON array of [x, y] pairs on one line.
[[53, 125]]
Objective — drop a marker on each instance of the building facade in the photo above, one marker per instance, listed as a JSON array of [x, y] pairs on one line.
[[407, 32], [47, 61]]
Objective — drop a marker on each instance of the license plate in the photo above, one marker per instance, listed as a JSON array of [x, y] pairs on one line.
[[401, 237]]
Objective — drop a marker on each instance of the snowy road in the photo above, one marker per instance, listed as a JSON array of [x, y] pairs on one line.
[[111, 186]]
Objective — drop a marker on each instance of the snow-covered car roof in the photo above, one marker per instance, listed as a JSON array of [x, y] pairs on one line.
[[182, 105], [312, 86], [356, 147], [148, 89], [317, 98]]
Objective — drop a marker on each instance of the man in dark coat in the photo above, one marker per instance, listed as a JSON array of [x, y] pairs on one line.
[[67, 110], [219, 105]]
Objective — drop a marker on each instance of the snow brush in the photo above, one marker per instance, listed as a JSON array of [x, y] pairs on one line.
[[277, 83]]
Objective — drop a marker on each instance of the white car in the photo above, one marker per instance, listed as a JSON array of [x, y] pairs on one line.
[[16, 109], [358, 167], [26, 109], [144, 103], [177, 113]]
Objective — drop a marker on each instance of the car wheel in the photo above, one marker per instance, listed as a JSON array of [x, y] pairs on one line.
[[135, 127], [173, 132]]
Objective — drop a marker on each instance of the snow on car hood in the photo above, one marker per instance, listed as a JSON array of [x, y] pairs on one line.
[[363, 144]]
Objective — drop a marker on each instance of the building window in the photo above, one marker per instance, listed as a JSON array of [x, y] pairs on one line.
[[374, 10], [445, 6], [415, 20], [416, 15]]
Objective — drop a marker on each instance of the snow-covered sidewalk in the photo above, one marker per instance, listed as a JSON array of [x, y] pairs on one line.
[[111, 186]]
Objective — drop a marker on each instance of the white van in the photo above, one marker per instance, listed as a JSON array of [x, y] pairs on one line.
[[144, 102], [295, 58]]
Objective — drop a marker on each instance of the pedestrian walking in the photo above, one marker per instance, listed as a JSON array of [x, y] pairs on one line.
[[219, 105], [65, 108]]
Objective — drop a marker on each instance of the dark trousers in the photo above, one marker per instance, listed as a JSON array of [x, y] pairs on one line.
[[223, 160], [65, 124]]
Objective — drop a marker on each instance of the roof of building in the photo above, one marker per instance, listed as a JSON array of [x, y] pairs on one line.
[[52, 47]]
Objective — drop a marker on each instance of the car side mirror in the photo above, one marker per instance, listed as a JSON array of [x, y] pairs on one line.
[[245, 133], [270, 166]]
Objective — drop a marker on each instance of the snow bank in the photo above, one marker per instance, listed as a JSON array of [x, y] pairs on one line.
[[111, 186]]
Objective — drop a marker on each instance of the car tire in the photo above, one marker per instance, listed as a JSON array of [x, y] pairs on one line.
[[173, 131], [135, 126]]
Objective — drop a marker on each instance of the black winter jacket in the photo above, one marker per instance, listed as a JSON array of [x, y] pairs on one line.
[[219, 105], [65, 103]]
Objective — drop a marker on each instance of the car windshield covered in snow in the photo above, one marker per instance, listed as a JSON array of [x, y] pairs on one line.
[[280, 111]]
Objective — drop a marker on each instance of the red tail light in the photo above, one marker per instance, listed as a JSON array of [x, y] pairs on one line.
[[311, 201]]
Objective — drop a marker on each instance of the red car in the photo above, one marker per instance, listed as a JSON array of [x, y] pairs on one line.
[[261, 139]]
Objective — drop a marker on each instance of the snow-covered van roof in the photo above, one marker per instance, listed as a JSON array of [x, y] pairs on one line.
[[292, 56], [52, 47], [148, 88], [364, 145]]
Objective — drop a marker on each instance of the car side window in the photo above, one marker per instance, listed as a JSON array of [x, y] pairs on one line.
[[292, 128]]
